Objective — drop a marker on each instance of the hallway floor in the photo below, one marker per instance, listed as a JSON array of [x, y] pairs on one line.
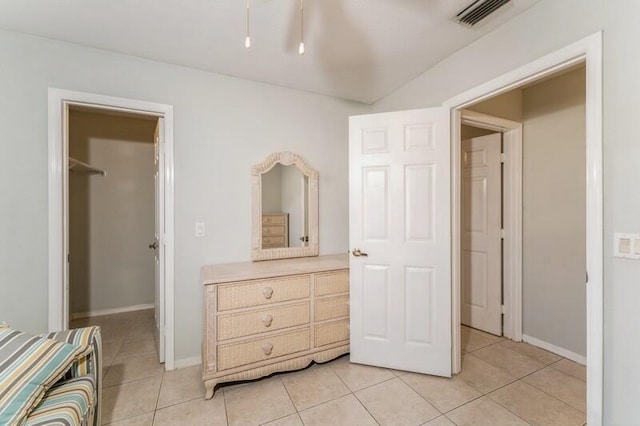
[[501, 383]]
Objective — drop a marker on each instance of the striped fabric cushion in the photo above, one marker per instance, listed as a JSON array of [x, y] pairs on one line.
[[85, 337], [29, 365], [66, 404]]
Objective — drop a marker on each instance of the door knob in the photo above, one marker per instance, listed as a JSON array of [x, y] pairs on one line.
[[154, 245], [357, 253]]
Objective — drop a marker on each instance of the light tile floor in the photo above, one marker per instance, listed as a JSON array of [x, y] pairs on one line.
[[501, 383]]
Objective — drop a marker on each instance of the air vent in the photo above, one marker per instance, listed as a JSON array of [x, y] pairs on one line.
[[479, 10]]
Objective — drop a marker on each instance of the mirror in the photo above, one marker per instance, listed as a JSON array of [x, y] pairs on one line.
[[285, 208]]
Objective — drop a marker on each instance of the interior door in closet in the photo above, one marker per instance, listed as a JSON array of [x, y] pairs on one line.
[[481, 260]]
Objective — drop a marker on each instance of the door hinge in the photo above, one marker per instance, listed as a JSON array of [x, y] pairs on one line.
[[503, 309], [503, 157], [502, 233]]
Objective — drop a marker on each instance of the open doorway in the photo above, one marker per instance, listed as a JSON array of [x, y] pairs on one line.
[[112, 208], [553, 230], [111, 213], [587, 52]]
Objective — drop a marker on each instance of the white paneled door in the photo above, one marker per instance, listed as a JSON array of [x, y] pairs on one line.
[[158, 243], [400, 236], [481, 261]]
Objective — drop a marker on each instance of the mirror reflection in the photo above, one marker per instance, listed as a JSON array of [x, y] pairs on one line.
[[285, 207]]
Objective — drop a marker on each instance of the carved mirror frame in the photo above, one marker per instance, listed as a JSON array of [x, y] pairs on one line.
[[286, 159]]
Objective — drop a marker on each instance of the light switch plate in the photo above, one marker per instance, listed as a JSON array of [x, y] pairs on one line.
[[626, 246], [199, 229]]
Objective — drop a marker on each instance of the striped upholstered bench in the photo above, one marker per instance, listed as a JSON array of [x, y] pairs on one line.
[[53, 379], [67, 403]]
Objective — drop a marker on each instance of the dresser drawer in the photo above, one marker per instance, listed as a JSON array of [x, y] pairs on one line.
[[332, 307], [272, 230], [247, 323], [332, 332], [261, 292], [273, 220], [238, 354], [273, 239], [332, 283]]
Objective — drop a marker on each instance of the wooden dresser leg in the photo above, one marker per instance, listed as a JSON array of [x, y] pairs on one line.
[[210, 386]]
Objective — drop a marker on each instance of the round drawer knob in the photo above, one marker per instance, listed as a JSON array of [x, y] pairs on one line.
[[267, 347], [267, 319], [267, 292]]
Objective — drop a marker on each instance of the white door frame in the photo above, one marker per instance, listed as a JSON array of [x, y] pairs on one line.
[[511, 210], [589, 51], [59, 101]]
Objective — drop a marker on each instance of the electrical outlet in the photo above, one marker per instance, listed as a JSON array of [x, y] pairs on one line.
[[199, 231]]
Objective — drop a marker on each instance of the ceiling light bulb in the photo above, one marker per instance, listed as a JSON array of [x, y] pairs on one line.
[[301, 48], [247, 40]]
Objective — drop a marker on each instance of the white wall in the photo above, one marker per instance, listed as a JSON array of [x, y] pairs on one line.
[[544, 28], [621, 211], [111, 218], [223, 126], [553, 209]]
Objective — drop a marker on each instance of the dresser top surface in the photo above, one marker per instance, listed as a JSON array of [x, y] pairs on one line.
[[227, 272]]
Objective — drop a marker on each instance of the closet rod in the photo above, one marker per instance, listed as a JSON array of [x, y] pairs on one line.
[[81, 166]]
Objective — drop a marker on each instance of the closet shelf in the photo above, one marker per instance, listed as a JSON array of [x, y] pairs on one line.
[[82, 167]]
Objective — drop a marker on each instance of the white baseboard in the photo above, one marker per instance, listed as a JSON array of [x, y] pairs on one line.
[[555, 349], [100, 312], [187, 362]]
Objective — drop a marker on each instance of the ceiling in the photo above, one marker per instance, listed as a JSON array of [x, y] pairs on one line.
[[360, 50]]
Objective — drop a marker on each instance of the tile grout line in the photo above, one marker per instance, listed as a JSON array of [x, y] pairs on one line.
[[535, 387], [155, 409], [295, 407], [365, 407], [521, 379], [547, 393], [224, 400], [354, 393], [566, 372], [443, 413], [491, 399]]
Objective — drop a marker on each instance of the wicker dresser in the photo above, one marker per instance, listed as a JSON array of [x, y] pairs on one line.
[[279, 315]]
